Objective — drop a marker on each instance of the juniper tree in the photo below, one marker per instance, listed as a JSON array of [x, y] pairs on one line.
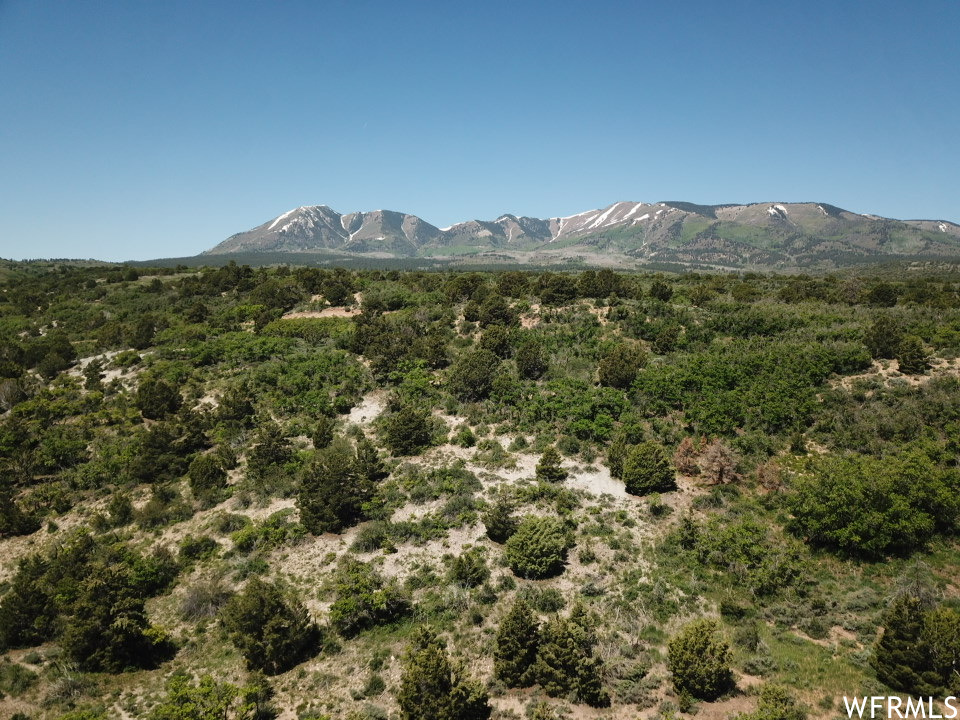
[[272, 632], [699, 660], [368, 465], [431, 688], [531, 359], [565, 662], [647, 469], [106, 629], [323, 432], [883, 337], [518, 641], [407, 430], [912, 356], [156, 398], [499, 519], [331, 492], [538, 548], [619, 366], [549, 469], [471, 375], [207, 478]]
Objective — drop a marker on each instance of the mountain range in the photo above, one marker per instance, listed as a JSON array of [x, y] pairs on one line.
[[760, 235]]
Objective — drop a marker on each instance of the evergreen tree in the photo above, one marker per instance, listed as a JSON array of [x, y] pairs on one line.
[[27, 610], [469, 568], [407, 431], [266, 460], [549, 469], [236, 405], [565, 662], [619, 366], [518, 641], [13, 519], [912, 356], [368, 465], [538, 549], [207, 479], [495, 310], [272, 632], [883, 337], [661, 291], [699, 660], [941, 637], [901, 658], [497, 340], [156, 398], [647, 469], [531, 359], [471, 375], [93, 375], [432, 689], [499, 519], [323, 432], [107, 628], [142, 336], [331, 493]]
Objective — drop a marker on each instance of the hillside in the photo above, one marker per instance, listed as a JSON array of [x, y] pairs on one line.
[[316, 494], [781, 236]]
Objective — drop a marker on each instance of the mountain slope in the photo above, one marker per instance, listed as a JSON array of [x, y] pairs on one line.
[[753, 235]]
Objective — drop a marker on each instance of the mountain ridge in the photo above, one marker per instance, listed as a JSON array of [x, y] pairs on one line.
[[764, 234]]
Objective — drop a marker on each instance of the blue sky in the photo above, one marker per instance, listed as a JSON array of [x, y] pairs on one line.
[[134, 130]]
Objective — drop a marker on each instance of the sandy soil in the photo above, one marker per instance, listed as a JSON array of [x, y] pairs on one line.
[[368, 409], [888, 372], [325, 313]]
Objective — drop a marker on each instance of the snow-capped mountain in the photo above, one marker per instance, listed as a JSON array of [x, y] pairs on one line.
[[757, 234]]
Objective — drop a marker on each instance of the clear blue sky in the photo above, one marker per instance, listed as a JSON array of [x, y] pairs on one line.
[[133, 130]]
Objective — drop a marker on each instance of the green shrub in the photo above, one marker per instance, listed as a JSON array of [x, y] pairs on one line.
[[699, 660], [15, 679], [364, 599], [273, 632], [647, 469], [469, 568], [538, 548], [866, 506], [471, 375]]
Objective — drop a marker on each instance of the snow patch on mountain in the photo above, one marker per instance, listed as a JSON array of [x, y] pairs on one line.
[[274, 223]]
